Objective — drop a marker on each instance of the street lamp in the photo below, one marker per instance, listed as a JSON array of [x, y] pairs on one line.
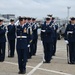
[[68, 12]]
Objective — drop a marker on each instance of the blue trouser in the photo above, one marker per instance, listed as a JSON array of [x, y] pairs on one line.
[[34, 44], [54, 46], [31, 50], [72, 51], [47, 51], [12, 48], [2, 51], [28, 53], [22, 58]]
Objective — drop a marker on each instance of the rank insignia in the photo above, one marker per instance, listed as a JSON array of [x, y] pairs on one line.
[[25, 30]]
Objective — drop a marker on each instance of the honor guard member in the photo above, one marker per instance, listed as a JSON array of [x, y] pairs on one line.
[[46, 37], [22, 44], [2, 41], [55, 35], [26, 24], [30, 36], [35, 36], [70, 40], [11, 38]]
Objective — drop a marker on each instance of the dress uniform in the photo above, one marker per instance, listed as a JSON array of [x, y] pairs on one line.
[[11, 38], [70, 40], [22, 44], [2, 41], [35, 36], [29, 37], [46, 37], [55, 35]]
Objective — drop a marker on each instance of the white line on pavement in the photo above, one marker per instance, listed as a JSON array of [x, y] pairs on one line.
[[16, 64], [62, 73], [37, 67], [59, 57], [10, 63], [40, 54]]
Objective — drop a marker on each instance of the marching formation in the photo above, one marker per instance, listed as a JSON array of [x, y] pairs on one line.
[[26, 36]]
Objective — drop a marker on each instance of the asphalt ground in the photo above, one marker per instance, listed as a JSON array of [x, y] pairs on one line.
[[35, 66]]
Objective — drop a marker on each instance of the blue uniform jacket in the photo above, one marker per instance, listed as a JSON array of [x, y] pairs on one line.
[[22, 42], [70, 37], [2, 34], [47, 36], [55, 31], [34, 29], [11, 32]]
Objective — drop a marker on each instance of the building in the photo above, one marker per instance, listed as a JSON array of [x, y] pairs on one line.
[[5, 20], [8, 16]]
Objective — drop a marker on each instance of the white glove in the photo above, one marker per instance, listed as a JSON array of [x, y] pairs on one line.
[[70, 32], [66, 42], [41, 42], [28, 45], [43, 30], [7, 31]]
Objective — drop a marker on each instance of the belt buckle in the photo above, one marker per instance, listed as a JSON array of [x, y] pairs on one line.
[[20, 36]]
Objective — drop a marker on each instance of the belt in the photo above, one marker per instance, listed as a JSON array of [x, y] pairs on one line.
[[21, 36]]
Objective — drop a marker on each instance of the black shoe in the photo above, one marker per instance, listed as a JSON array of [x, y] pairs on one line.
[[71, 62], [1, 60], [46, 62], [27, 61], [53, 54], [10, 56], [34, 54], [21, 72], [29, 57]]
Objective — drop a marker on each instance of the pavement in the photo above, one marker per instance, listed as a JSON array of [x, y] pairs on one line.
[[35, 66]]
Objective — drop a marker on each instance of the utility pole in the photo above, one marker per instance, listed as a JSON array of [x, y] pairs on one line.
[[68, 12]]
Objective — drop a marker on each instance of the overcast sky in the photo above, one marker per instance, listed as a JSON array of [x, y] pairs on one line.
[[37, 8]]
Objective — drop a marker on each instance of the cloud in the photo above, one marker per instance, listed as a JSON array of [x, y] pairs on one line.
[[37, 8]]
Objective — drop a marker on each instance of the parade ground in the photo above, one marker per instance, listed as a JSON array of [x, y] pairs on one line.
[[35, 66]]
